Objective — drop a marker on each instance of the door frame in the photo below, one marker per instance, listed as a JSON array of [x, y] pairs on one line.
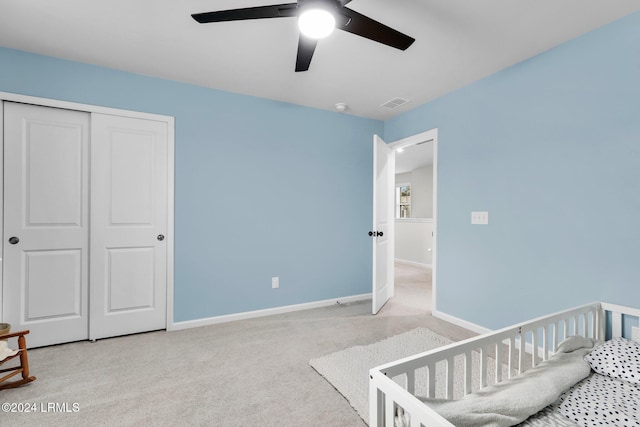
[[54, 103], [428, 135]]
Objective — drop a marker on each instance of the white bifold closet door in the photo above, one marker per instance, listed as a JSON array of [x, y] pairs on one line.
[[46, 223], [85, 214], [128, 225]]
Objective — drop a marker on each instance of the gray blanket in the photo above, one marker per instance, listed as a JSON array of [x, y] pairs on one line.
[[513, 401]]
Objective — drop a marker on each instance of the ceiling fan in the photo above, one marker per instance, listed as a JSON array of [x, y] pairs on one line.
[[316, 19]]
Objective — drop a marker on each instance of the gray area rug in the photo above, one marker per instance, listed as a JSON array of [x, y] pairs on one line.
[[348, 370]]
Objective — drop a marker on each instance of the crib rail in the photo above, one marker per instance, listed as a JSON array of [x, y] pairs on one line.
[[461, 368]]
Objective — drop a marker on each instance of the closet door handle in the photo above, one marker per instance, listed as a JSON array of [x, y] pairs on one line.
[[161, 237], [379, 234], [13, 240]]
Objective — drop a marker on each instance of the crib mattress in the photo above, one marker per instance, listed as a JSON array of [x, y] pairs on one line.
[[595, 401]]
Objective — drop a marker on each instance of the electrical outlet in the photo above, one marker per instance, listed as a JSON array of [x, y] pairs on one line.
[[275, 282], [481, 218]]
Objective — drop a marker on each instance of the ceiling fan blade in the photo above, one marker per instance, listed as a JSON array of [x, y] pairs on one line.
[[259, 12], [306, 47], [366, 27]]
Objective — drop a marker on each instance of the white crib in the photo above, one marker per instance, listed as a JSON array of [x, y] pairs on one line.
[[487, 359]]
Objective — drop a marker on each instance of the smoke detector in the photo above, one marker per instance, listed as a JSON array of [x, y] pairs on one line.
[[341, 106]]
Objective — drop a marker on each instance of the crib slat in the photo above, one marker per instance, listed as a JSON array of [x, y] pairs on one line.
[[600, 321], [467, 372], [616, 324], [498, 362], [432, 380], [450, 377], [579, 324], [411, 381], [521, 352], [376, 408], [512, 348], [534, 349], [483, 367], [389, 412]]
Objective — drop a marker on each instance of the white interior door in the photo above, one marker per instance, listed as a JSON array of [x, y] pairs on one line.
[[383, 222], [129, 185], [46, 222]]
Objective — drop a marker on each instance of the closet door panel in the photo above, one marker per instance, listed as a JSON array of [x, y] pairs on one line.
[[53, 285], [130, 279], [45, 242], [54, 198], [128, 225], [132, 176]]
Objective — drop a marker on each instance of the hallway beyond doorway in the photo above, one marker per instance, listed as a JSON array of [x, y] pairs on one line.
[[412, 291]]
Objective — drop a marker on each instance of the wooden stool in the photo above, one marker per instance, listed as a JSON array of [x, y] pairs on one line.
[[22, 368]]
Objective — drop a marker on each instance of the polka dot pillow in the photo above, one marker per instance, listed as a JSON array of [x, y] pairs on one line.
[[617, 358]]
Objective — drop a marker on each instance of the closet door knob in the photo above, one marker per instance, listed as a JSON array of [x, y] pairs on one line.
[[13, 240], [370, 233], [161, 237]]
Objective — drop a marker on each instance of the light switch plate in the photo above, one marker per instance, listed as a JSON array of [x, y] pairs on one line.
[[481, 218]]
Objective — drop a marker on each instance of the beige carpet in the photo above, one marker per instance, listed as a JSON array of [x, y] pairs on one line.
[[348, 370], [412, 291], [247, 373]]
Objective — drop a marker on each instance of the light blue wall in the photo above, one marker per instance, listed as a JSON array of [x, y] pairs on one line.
[[262, 188], [551, 148]]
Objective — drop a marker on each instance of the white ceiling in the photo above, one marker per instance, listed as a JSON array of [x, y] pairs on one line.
[[414, 157], [457, 42]]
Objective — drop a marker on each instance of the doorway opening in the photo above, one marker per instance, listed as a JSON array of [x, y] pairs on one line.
[[415, 200]]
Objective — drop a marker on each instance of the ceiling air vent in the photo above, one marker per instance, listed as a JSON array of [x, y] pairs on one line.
[[394, 103]]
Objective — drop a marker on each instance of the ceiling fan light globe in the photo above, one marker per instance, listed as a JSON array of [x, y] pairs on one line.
[[316, 23]]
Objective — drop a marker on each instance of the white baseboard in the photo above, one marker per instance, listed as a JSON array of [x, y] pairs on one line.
[[176, 326], [419, 264], [460, 322]]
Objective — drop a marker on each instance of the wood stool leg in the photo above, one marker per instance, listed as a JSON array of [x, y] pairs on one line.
[[24, 359]]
